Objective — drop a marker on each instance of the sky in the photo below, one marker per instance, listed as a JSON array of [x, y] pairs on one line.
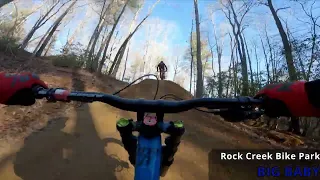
[[167, 30]]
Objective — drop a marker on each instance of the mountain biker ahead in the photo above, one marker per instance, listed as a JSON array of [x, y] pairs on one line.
[[296, 99], [162, 68]]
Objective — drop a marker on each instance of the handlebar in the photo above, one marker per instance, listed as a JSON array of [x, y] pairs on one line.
[[142, 105]]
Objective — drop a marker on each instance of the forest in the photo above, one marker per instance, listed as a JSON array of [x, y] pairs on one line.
[[231, 47]]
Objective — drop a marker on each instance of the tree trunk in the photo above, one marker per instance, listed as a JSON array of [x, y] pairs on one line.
[[258, 66], [102, 46], [211, 52], [109, 39], [241, 50], [286, 45], [267, 63], [176, 68], [42, 40], [300, 61], [194, 80], [93, 61], [147, 48], [50, 44], [101, 19], [56, 25], [26, 40], [39, 23], [199, 88], [234, 77], [191, 53], [125, 64], [313, 55], [252, 93], [91, 52], [204, 66], [273, 67], [219, 52], [288, 52], [229, 79], [117, 61], [237, 89]]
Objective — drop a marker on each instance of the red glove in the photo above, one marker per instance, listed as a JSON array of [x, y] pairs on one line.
[[287, 99], [16, 89]]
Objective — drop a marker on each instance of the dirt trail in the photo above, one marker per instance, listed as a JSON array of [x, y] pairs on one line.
[[82, 143]]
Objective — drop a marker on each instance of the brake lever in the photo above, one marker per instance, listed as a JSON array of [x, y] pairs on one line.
[[253, 114], [238, 114]]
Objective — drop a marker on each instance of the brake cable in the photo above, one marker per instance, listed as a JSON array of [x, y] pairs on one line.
[[155, 95], [175, 97]]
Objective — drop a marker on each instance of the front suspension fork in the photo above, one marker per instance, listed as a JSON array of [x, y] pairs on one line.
[[125, 128], [175, 130], [172, 142]]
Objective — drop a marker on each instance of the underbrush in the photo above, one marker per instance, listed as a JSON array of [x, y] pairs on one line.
[[278, 130], [72, 56], [9, 45], [68, 61]]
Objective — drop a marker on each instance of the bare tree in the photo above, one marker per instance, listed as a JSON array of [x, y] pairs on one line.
[[40, 22], [236, 24], [266, 60], [285, 41], [199, 88], [176, 67], [271, 58], [109, 38], [250, 68], [191, 54], [146, 48], [233, 63], [51, 43], [313, 23], [118, 58], [54, 28], [258, 65], [103, 22], [219, 48], [294, 126], [125, 63]]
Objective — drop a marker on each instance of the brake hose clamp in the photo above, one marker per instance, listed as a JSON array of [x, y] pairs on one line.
[[50, 94]]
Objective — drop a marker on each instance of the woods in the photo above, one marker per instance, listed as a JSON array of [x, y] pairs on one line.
[[231, 48]]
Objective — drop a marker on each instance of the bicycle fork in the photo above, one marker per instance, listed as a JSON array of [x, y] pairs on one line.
[[175, 130]]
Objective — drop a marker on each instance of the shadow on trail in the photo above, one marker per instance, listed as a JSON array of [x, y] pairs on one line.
[[54, 154]]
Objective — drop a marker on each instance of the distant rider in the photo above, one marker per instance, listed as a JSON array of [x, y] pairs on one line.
[[299, 99], [162, 68]]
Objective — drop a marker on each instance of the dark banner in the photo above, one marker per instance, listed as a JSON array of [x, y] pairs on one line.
[[264, 164]]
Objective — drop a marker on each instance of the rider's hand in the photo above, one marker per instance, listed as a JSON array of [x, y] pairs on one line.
[[16, 89], [287, 99]]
